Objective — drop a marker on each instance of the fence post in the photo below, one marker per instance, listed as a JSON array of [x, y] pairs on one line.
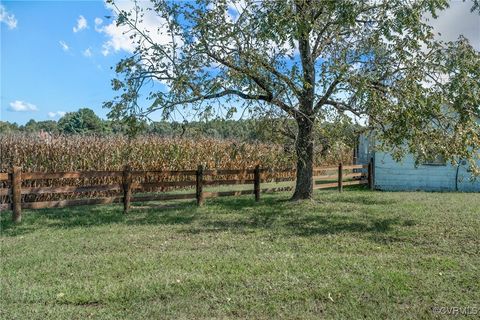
[[17, 194], [340, 177], [199, 190], [256, 183], [355, 153], [370, 174], [127, 187]]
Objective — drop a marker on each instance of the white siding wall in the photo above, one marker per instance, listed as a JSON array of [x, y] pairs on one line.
[[364, 153], [392, 175]]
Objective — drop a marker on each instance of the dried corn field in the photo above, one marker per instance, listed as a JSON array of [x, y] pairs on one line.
[[40, 153], [36, 153]]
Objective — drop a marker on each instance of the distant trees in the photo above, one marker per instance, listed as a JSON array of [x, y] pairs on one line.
[[48, 126], [7, 127], [82, 121], [331, 136], [31, 126]]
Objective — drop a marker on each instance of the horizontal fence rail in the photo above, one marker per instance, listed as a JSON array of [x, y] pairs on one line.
[[129, 183]]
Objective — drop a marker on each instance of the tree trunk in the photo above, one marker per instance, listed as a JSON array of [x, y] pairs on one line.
[[304, 149], [305, 117]]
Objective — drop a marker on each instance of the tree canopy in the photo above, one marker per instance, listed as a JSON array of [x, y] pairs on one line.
[[308, 60], [82, 121]]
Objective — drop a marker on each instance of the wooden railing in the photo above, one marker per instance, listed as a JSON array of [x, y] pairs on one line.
[[133, 182]]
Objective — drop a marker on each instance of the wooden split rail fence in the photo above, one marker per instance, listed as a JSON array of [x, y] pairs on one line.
[[14, 186]]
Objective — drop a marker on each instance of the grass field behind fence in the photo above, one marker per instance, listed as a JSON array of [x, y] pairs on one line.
[[358, 254]]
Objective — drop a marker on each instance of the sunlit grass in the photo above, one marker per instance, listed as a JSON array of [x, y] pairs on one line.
[[353, 255]]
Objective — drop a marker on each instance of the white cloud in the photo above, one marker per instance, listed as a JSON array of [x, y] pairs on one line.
[[458, 20], [105, 49], [55, 114], [118, 40], [81, 24], [87, 52], [22, 106], [64, 45], [98, 24], [7, 18], [118, 36]]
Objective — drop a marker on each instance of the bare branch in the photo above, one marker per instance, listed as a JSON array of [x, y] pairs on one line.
[[328, 93]]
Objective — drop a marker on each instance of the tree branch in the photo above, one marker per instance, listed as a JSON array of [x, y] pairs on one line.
[[328, 93]]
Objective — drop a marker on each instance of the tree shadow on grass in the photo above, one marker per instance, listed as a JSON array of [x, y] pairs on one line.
[[91, 216], [59, 217], [334, 224], [307, 218], [322, 197], [178, 214], [244, 203], [234, 214], [363, 200], [314, 225]]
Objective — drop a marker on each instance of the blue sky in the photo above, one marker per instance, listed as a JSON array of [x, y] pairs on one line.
[[46, 67], [56, 56]]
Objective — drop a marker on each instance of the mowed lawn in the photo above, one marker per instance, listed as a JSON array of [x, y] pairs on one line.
[[358, 254]]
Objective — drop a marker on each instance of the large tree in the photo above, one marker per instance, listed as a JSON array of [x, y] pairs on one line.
[[376, 60], [80, 122]]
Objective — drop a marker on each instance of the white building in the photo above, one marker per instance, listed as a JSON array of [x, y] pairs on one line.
[[390, 175]]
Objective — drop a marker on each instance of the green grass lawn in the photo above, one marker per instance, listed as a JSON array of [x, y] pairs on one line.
[[353, 255]]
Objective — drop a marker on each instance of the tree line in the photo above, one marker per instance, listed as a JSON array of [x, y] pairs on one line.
[[337, 134]]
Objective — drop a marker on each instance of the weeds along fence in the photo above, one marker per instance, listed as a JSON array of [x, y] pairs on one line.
[[36, 190]]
